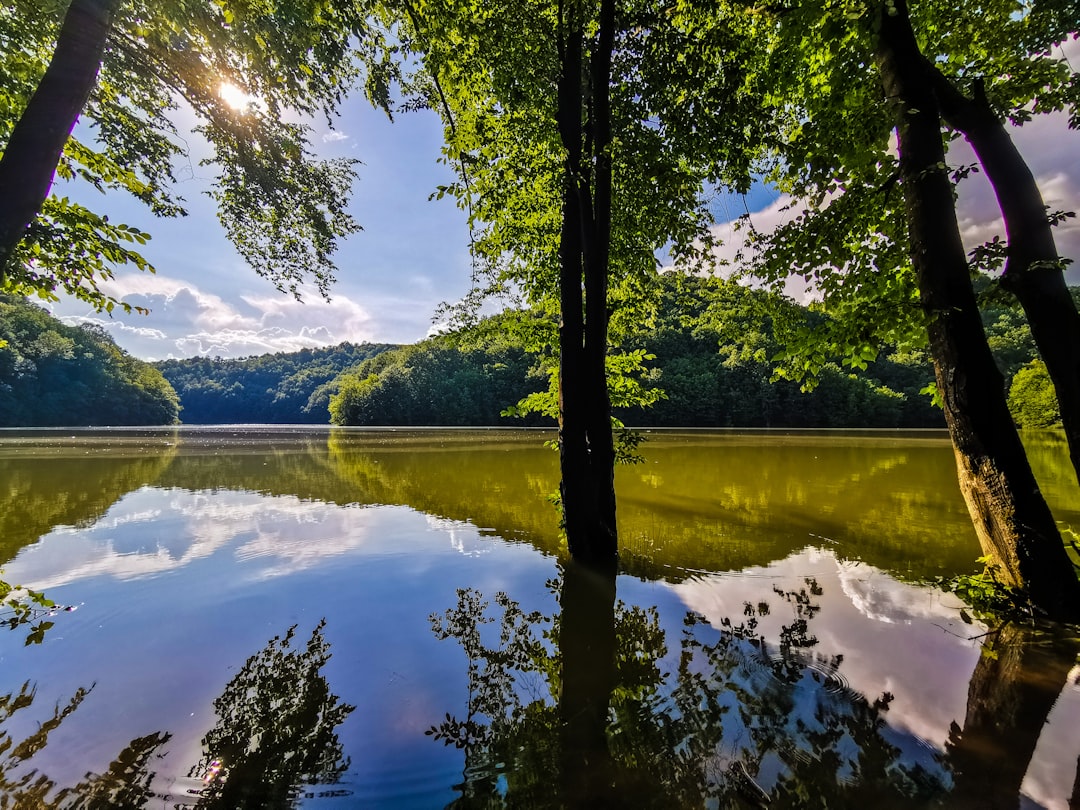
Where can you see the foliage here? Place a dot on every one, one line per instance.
(731, 719)
(829, 146)
(276, 730)
(53, 374)
(20, 606)
(273, 388)
(434, 383)
(988, 597)
(284, 210)
(1032, 399)
(492, 72)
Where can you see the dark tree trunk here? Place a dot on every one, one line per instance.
(587, 455)
(1010, 696)
(32, 152)
(1012, 520)
(1033, 269)
(587, 649)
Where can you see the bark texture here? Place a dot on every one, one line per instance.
(587, 454)
(32, 153)
(1011, 518)
(1034, 271)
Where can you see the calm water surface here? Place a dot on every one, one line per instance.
(335, 618)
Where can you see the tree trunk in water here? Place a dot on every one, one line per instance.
(1033, 268)
(586, 455)
(1012, 520)
(587, 649)
(32, 152)
(1010, 697)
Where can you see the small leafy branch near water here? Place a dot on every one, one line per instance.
(988, 596)
(19, 606)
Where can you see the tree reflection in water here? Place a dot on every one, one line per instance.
(575, 710)
(1016, 682)
(126, 783)
(276, 730)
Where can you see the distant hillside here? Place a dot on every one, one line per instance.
(708, 357)
(53, 374)
(273, 388)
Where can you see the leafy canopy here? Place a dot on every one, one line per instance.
(283, 209)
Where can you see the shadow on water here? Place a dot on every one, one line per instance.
(275, 737)
(577, 710)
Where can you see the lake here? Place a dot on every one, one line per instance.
(337, 618)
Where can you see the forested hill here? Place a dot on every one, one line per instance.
(54, 374)
(272, 388)
(707, 358)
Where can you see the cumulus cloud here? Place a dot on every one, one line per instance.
(334, 136)
(1049, 149)
(185, 321)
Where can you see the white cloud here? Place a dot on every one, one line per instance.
(186, 321)
(333, 136)
(885, 631)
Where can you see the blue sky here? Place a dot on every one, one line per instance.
(412, 254)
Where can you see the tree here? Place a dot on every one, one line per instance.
(37, 140)
(582, 142)
(54, 374)
(1012, 519)
(125, 66)
(1031, 397)
(1033, 270)
(887, 271)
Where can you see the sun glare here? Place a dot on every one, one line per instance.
(234, 96)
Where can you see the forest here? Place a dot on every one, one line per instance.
(712, 353)
(713, 358)
(274, 388)
(53, 374)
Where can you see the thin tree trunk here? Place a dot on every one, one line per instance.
(586, 452)
(33, 151)
(1011, 518)
(1033, 267)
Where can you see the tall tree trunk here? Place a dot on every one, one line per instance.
(587, 455)
(1033, 269)
(1012, 520)
(31, 154)
(1010, 696)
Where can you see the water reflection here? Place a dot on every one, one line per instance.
(841, 683)
(578, 710)
(125, 784)
(71, 488)
(276, 735)
(1018, 679)
(716, 501)
(276, 730)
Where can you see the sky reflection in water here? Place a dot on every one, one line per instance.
(191, 567)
